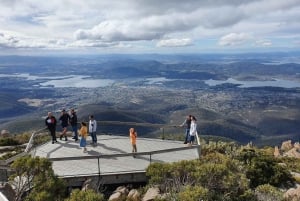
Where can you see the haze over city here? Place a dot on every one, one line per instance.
(31, 27)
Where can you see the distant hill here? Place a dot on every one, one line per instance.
(176, 87)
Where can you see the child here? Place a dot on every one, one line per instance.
(83, 133)
(133, 135)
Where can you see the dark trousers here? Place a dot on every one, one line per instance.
(187, 135)
(53, 134)
(75, 130)
(94, 137)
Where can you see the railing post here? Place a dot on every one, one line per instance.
(199, 145)
(99, 167)
(150, 158)
(29, 145)
(99, 173)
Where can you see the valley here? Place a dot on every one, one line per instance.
(153, 90)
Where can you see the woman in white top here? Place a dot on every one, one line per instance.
(193, 131)
(93, 129)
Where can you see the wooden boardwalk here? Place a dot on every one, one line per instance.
(111, 160)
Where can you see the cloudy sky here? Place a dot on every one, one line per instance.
(148, 26)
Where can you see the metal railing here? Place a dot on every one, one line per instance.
(145, 156)
(161, 126)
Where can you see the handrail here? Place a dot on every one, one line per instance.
(198, 139)
(100, 173)
(29, 145)
(136, 124)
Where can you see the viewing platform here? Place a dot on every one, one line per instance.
(111, 161)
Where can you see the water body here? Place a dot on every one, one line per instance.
(78, 82)
(248, 84)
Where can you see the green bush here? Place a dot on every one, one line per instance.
(267, 192)
(266, 170)
(193, 193)
(215, 172)
(9, 141)
(88, 195)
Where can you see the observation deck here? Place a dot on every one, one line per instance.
(111, 161)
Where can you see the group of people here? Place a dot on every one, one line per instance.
(67, 119)
(190, 123)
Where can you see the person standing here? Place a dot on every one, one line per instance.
(187, 124)
(133, 136)
(83, 133)
(93, 129)
(193, 131)
(73, 122)
(50, 122)
(64, 119)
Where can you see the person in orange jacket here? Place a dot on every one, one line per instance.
(133, 136)
(83, 132)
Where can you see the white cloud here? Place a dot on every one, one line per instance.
(234, 39)
(103, 23)
(92, 43)
(110, 31)
(263, 43)
(175, 42)
(10, 41)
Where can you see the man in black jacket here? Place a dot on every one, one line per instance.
(73, 122)
(50, 122)
(65, 120)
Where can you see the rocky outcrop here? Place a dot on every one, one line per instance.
(151, 194)
(293, 194)
(119, 193)
(286, 145)
(276, 152)
(89, 184)
(4, 133)
(292, 153)
(123, 193)
(133, 195)
(288, 149)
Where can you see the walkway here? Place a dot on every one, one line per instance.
(112, 156)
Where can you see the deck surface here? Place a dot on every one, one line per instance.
(112, 155)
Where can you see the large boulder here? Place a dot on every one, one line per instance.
(293, 194)
(293, 153)
(89, 184)
(286, 145)
(4, 133)
(133, 195)
(120, 192)
(151, 194)
(297, 145)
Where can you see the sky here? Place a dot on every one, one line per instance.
(148, 26)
